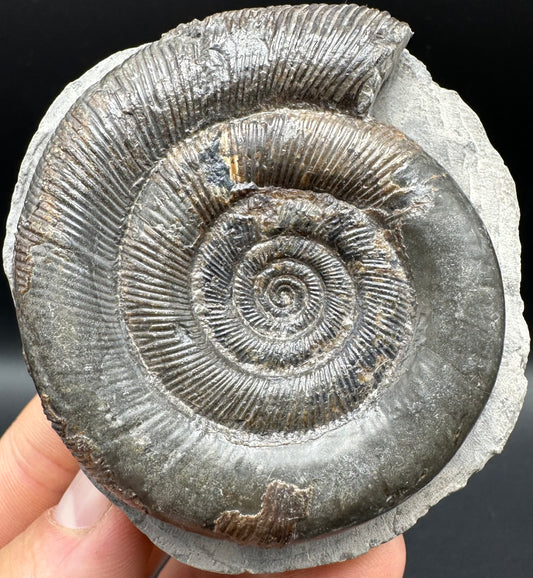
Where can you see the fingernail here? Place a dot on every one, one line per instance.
(81, 506)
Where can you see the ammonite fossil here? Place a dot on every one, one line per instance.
(260, 312)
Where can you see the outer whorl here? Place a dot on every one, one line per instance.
(253, 312)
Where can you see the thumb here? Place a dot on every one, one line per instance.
(83, 536)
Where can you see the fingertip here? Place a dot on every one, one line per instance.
(385, 561)
(81, 506)
(36, 469)
(113, 549)
(83, 536)
(109, 544)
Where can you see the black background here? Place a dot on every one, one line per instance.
(482, 49)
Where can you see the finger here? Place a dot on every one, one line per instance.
(84, 536)
(36, 470)
(385, 561)
(157, 561)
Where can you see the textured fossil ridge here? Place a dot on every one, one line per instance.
(258, 309)
(282, 506)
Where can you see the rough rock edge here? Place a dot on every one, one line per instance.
(448, 130)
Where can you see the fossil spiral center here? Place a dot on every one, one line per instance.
(276, 300)
(284, 292)
(288, 311)
(286, 296)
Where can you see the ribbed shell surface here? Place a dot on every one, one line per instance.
(239, 294)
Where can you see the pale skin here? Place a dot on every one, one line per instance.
(51, 526)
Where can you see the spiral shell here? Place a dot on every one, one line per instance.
(296, 304)
(253, 311)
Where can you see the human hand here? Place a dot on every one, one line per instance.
(55, 523)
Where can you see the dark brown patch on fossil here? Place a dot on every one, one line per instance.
(282, 505)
